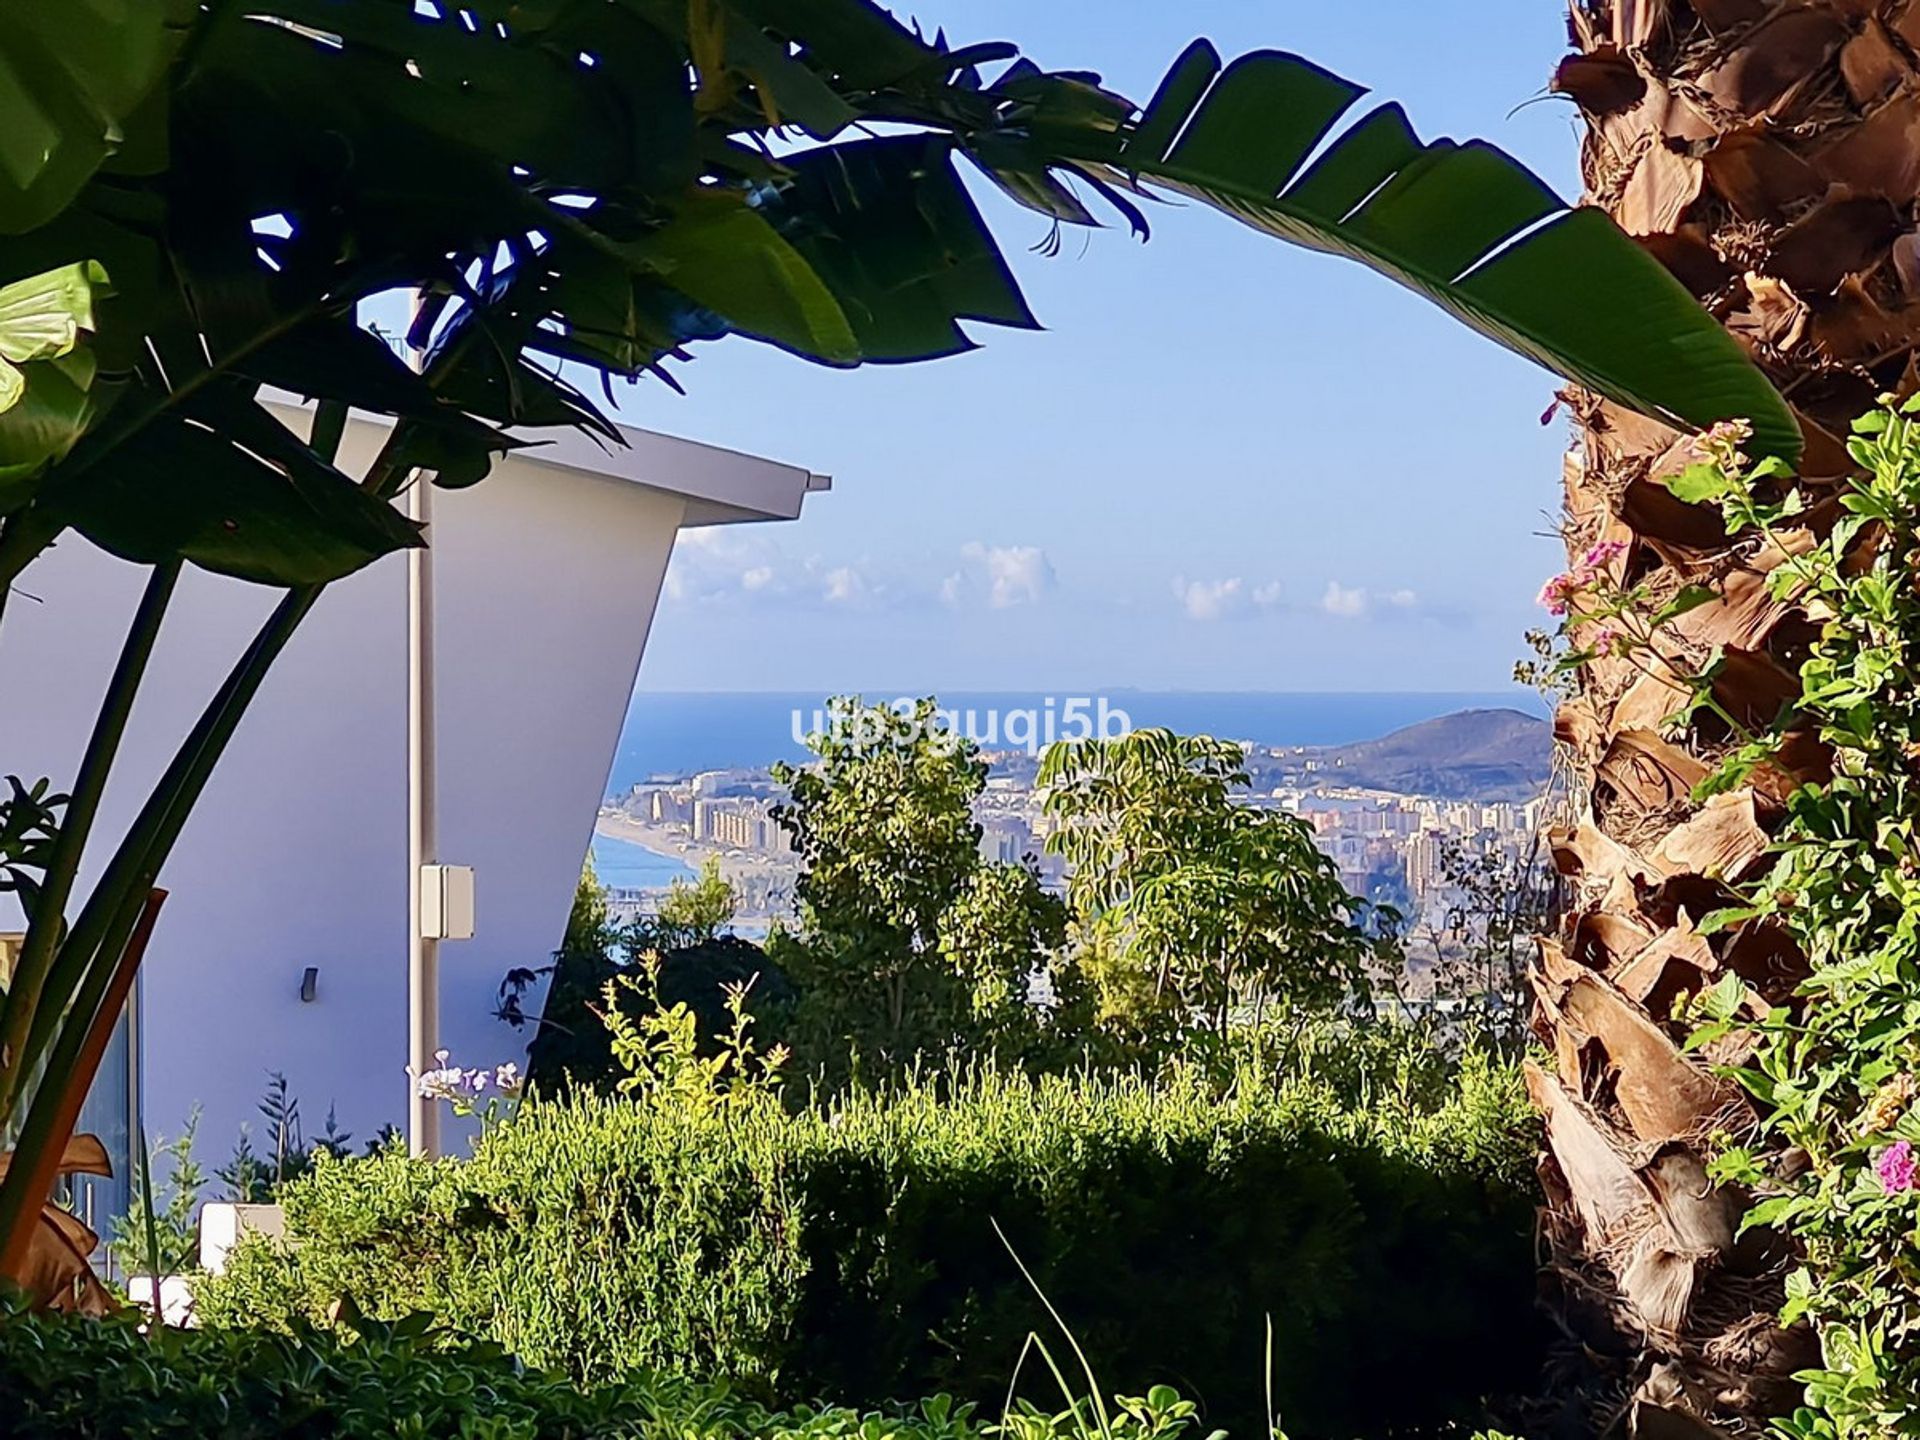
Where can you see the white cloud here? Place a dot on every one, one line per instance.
(1348, 602)
(1209, 599)
(1005, 575)
(719, 563)
(1352, 602)
(725, 565)
(844, 585)
(1219, 599)
(731, 566)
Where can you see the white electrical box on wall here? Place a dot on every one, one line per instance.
(446, 902)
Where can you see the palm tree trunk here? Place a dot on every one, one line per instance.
(1768, 151)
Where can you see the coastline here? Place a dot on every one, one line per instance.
(753, 876)
(657, 839)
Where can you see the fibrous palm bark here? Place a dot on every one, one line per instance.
(1768, 151)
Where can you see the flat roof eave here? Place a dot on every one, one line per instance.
(720, 486)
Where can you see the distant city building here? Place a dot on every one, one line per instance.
(1422, 854)
(1007, 838)
(668, 807)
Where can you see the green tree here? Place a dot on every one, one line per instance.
(691, 913)
(910, 946)
(215, 192)
(1003, 938)
(160, 1237)
(590, 924)
(1188, 904)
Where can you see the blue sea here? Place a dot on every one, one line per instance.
(627, 866)
(680, 732)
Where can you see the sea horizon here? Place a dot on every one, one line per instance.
(679, 732)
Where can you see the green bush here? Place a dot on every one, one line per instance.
(1377, 1210)
(68, 1379)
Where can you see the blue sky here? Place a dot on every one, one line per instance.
(1225, 463)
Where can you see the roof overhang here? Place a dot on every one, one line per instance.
(719, 486)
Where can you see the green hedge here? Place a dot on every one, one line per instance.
(849, 1252)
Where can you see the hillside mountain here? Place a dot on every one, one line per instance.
(1483, 755)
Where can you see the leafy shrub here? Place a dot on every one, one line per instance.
(688, 961)
(1834, 1071)
(162, 1235)
(78, 1380)
(1380, 1214)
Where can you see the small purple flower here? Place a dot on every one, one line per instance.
(506, 1079)
(1896, 1167)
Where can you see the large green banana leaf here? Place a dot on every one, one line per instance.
(1467, 226)
(70, 76)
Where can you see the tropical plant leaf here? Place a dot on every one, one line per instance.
(1467, 226)
(46, 383)
(333, 358)
(238, 502)
(71, 71)
(57, 405)
(889, 227)
(41, 318)
(856, 41)
(726, 257)
(56, 1271)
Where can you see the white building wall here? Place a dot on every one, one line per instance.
(546, 584)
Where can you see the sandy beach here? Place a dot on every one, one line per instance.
(758, 878)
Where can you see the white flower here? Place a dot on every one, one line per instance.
(506, 1079)
(446, 1083)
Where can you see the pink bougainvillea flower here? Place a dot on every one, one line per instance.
(1896, 1167)
(1557, 593)
(1607, 642)
(1603, 554)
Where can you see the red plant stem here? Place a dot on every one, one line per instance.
(13, 1246)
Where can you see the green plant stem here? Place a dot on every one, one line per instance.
(49, 910)
(113, 908)
(83, 966)
(1747, 737)
(110, 912)
(151, 1228)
